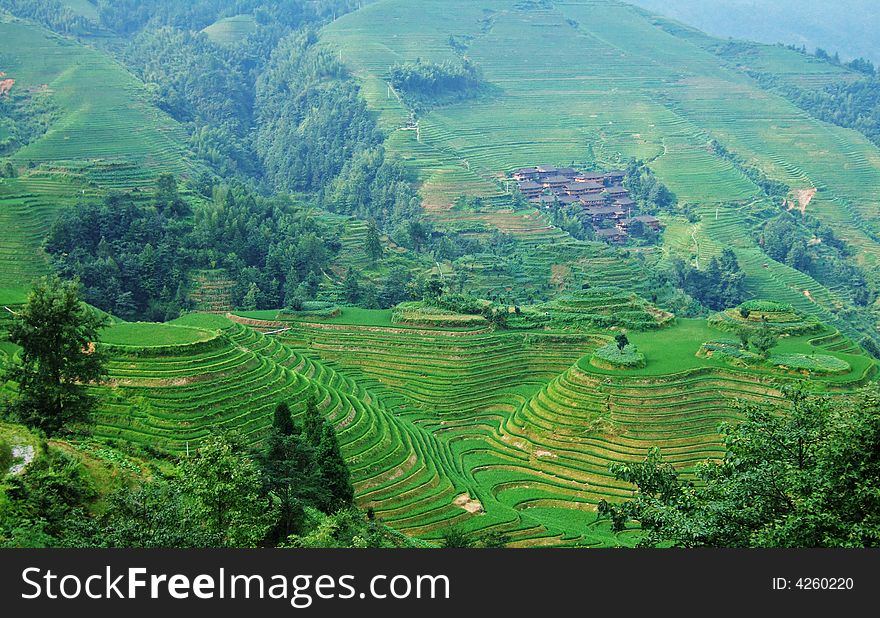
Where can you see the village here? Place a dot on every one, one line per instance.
(605, 203)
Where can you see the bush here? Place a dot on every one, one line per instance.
(765, 306)
(612, 357)
(814, 363)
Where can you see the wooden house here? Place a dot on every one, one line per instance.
(612, 235)
(555, 183)
(525, 173)
(648, 221)
(614, 177)
(530, 189)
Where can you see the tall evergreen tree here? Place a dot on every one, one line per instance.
(313, 422)
(373, 244)
(335, 475)
(282, 421)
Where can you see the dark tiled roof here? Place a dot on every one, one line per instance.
(525, 186)
(609, 233)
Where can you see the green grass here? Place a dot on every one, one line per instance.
(105, 126)
(231, 30)
(148, 335)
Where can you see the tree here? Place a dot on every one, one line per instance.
(226, 486)
(433, 290)
(744, 334)
(58, 336)
(764, 339)
(373, 244)
(282, 422)
(622, 341)
(6, 458)
(335, 476)
(290, 472)
(803, 475)
(352, 286)
(313, 422)
(456, 538)
(249, 303)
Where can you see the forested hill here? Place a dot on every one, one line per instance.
(846, 26)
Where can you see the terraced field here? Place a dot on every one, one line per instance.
(451, 427)
(28, 205)
(103, 126)
(599, 79)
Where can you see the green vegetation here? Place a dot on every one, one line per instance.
(807, 478)
(613, 355)
(57, 334)
(147, 335)
(392, 327)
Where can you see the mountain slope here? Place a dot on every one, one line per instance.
(598, 78)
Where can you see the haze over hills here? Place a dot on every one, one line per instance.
(498, 245)
(847, 26)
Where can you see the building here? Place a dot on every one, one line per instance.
(568, 200)
(576, 188)
(613, 235)
(649, 221)
(616, 192)
(530, 189)
(525, 173)
(614, 177)
(545, 171)
(596, 177)
(545, 201)
(600, 214)
(592, 200)
(555, 183)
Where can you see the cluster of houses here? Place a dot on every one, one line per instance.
(604, 202)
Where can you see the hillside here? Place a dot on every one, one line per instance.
(600, 80)
(85, 144)
(849, 29)
(454, 426)
(335, 205)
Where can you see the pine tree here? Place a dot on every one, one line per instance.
(335, 476)
(312, 422)
(282, 422)
(373, 245)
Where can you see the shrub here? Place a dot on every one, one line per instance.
(613, 357)
(814, 363)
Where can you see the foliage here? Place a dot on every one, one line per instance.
(802, 476)
(423, 83)
(130, 258)
(57, 334)
(6, 458)
(810, 246)
(764, 339)
(719, 286)
(51, 13)
(44, 503)
(311, 119)
(612, 354)
(226, 488)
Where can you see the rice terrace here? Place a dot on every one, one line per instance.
(503, 248)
